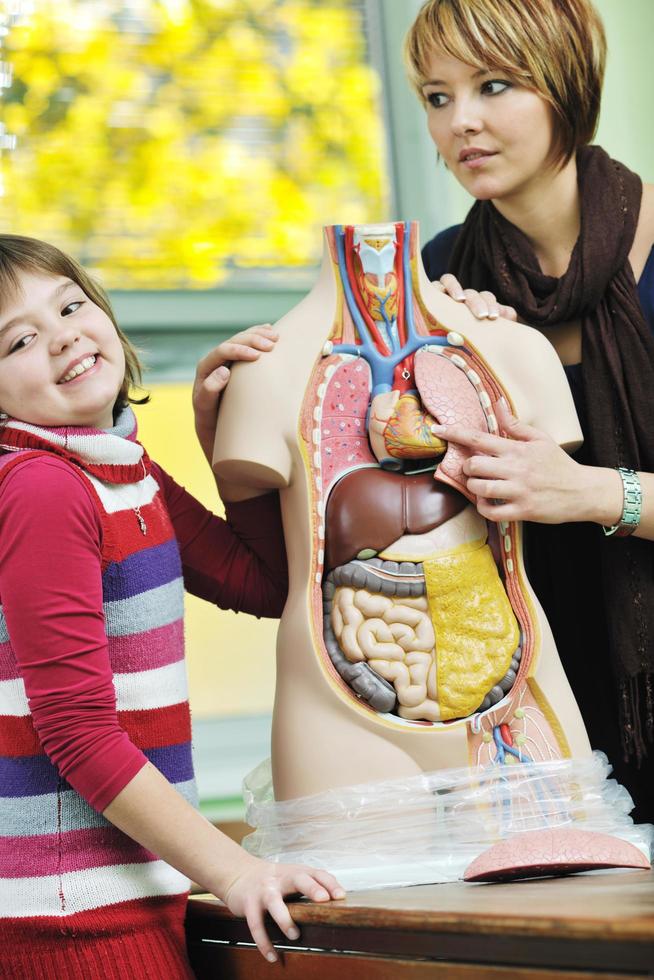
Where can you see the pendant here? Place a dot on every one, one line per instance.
(139, 517)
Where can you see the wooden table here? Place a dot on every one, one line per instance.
(582, 926)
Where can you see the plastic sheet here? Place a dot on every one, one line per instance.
(429, 827)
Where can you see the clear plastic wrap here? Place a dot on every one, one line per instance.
(429, 827)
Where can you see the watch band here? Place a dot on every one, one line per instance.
(631, 506)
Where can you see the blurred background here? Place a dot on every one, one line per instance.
(188, 152)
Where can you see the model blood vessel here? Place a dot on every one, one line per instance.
(411, 640)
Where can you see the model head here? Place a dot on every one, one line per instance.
(555, 47)
(28, 267)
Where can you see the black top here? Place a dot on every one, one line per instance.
(436, 259)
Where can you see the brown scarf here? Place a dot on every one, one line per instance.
(618, 376)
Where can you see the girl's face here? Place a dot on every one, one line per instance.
(61, 360)
(494, 135)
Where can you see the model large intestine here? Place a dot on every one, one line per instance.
(411, 640)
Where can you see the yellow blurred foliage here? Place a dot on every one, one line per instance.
(166, 143)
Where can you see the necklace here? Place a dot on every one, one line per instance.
(139, 517)
(126, 493)
(137, 510)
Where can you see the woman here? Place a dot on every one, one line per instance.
(562, 235)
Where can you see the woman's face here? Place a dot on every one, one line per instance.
(494, 135)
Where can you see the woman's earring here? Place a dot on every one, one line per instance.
(3, 416)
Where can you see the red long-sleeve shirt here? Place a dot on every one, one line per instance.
(51, 593)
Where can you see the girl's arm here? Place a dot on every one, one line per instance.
(239, 564)
(51, 591)
(236, 564)
(150, 811)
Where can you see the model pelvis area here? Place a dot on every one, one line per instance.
(420, 609)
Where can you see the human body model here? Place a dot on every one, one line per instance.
(411, 640)
(561, 235)
(97, 835)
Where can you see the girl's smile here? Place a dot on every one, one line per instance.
(80, 366)
(61, 360)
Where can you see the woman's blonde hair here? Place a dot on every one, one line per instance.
(21, 254)
(556, 47)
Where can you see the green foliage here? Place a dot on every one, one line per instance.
(165, 142)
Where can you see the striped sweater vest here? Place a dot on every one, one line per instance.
(61, 861)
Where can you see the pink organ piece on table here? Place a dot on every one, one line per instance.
(543, 853)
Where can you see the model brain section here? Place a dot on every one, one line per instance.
(416, 617)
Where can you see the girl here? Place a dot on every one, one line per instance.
(563, 236)
(99, 834)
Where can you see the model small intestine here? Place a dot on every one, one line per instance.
(419, 605)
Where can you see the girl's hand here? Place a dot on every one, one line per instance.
(524, 476)
(212, 375)
(483, 305)
(151, 811)
(260, 888)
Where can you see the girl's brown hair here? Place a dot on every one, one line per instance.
(556, 47)
(21, 254)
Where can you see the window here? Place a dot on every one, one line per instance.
(174, 143)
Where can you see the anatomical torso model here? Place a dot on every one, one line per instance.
(411, 639)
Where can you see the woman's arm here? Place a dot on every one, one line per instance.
(644, 237)
(528, 477)
(482, 304)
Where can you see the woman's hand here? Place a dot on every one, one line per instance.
(483, 305)
(212, 375)
(261, 887)
(526, 476)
